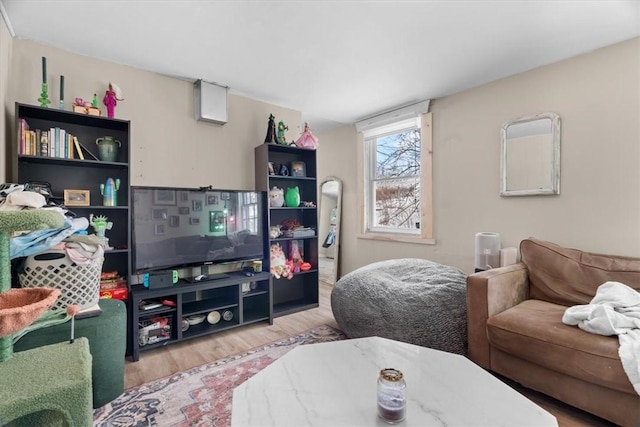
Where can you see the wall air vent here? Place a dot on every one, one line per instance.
(210, 102)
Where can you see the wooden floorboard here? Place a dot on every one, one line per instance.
(164, 361)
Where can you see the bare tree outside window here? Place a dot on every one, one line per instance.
(396, 181)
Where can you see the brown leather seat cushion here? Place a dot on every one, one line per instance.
(570, 276)
(533, 330)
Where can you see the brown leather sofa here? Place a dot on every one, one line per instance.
(515, 328)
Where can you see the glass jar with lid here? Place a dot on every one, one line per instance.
(392, 396)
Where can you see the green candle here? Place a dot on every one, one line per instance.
(44, 69)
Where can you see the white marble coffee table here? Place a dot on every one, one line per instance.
(334, 384)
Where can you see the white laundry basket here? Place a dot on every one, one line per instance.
(79, 284)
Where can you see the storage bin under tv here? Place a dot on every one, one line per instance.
(249, 305)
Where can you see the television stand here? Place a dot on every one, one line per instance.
(190, 305)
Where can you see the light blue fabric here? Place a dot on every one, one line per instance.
(41, 240)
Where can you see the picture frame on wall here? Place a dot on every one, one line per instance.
(212, 199)
(196, 206)
(217, 222)
(163, 196)
(159, 228)
(298, 169)
(77, 197)
(183, 210)
(225, 196)
(174, 221)
(194, 221)
(159, 214)
(184, 196)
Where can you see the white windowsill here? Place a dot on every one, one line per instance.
(389, 237)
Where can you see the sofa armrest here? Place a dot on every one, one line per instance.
(491, 292)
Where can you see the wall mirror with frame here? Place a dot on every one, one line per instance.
(330, 208)
(530, 161)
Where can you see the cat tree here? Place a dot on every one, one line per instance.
(50, 384)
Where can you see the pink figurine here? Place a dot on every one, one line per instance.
(111, 98)
(307, 139)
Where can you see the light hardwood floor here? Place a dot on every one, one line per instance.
(160, 362)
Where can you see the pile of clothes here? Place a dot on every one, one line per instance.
(82, 248)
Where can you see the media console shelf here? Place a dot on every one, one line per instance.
(238, 299)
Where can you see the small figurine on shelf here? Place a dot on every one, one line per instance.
(109, 191)
(94, 102)
(101, 224)
(111, 98)
(271, 130)
(307, 139)
(280, 138)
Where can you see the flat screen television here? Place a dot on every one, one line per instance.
(181, 227)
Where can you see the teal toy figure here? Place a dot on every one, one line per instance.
(109, 191)
(292, 197)
(280, 138)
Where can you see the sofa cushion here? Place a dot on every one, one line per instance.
(533, 331)
(570, 276)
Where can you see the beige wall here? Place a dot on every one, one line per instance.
(169, 147)
(6, 43)
(597, 97)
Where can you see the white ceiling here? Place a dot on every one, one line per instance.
(336, 61)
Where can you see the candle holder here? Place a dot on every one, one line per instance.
(44, 96)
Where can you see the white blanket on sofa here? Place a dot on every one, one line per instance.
(615, 310)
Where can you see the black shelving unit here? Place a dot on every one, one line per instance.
(74, 173)
(302, 291)
(250, 305)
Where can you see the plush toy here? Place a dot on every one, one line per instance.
(276, 197)
(280, 267)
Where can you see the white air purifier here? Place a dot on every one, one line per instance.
(487, 251)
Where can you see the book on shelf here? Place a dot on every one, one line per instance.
(78, 149)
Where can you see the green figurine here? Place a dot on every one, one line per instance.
(280, 138)
(94, 103)
(101, 224)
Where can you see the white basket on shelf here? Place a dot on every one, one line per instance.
(79, 284)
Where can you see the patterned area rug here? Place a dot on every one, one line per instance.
(200, 396)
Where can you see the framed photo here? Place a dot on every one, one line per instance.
(225, 196)
(194, 221)
(159, 214)
(164, 197)
(212, 199)
(216, 222)
(196, 205)
(174, 221)
(159, 228)
(184, 196)
(183, 210)
(77, 197)
(298, 169)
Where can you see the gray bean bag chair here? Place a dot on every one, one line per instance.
(411, 300)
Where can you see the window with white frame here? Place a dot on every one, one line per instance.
(397, 177)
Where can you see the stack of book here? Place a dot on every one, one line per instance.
(53, 142)
(112, 285)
